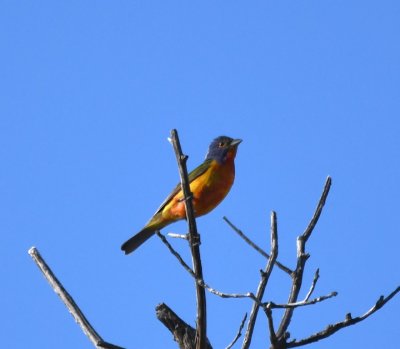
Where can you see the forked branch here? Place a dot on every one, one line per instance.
(302, 256)
(263, 282)
(348, 321)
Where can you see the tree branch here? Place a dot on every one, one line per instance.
(273, 305)
(231, 344)
(73, 308)
(194, 241)
(317, 213)
(263, 282)
(199, 281)
(302, 257)
(183, 333)
(331, 329)
(255, 246)
(314, 282)
(272, 335)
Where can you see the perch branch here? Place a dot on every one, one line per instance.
(263, 282)
(255, 246)
(194, 241)
(348, 321)
(73, 308)
(302, 257)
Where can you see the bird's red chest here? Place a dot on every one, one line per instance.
(209, 189)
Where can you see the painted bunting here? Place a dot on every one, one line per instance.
(209, 183)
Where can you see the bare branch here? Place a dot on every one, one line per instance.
(231, 344)
(272, 334)
(228, 295)
(263, 282)
(199, 281)
(194, 239)
(331, 329)
(314, 282)
(73, 308)
(317, 213)
(176, 254)
(178, 236)
(183, 333)
(255, 246)
(273, 305)
(302, 257)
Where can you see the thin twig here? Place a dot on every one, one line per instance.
(199, 281)
(194, 239)
(255, 246)
(73, 308)
(176, 254)
(314, 282)
(273, 305)
(349, 320)
(317, 213)
(263, 282)
(231, 344)
(302, 257)
(178, 236)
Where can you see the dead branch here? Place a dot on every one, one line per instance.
(199, 281)
(183, 333)
(73, 308)
(231, 344)
(348, 321)
(178, 236)
(312, 287)
(272, 305)
(194, 241)
(263, 282)
(255, 246)
(302, 256)
(272, 334)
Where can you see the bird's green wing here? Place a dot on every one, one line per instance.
(198, 171)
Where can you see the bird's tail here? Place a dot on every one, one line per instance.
(134, 242)
(157, 222)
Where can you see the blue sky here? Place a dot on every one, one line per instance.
(90, 91)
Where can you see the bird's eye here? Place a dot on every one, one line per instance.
(221, 144)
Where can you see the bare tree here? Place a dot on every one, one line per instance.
(196, 338)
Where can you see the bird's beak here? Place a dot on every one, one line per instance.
(235, 142)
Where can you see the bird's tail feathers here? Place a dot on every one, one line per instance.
(134, 242)
(156, 223)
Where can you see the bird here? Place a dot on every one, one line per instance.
(209, 183)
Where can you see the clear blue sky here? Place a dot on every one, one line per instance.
(89, 93)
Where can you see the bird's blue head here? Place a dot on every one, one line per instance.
(222, 148)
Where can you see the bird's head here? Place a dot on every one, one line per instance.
(222, 149)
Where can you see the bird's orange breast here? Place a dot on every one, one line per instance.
(209, 189)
